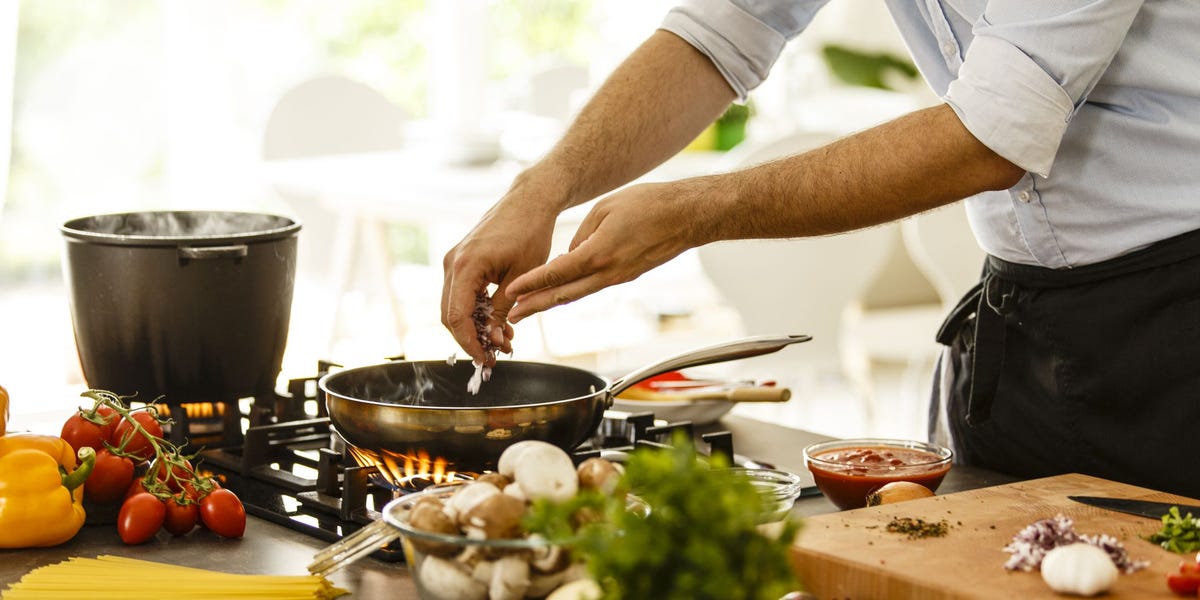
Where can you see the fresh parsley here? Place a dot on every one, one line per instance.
(699, 540)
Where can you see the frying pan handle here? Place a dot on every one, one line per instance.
(743, 348)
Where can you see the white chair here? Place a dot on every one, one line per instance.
(943, 247)
(325, 116)
(947, 258)
(798, 285)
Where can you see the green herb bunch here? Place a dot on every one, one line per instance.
(699, 539)
(1178, 534)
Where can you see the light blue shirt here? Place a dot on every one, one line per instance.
(1098, 100)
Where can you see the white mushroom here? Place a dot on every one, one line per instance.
(497, 516)
(495, 479)
(482, 571)
(541, 584)
(471, 556)
(450, 580)
(515, 491)
(507, 463)
(549, 558)
(580, 589)
(510, 578)
(428, 515)
(467, 497)
(598, 474)
(546, 471)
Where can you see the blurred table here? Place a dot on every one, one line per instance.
(355, 196)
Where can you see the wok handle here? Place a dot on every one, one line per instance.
(743, 348)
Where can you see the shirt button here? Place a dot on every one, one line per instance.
(948, 49)
(1024, 196)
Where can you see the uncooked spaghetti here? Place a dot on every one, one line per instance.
(115, 577)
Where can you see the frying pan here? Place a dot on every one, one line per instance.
(404, 407)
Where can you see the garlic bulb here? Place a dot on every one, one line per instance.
(1080, 569)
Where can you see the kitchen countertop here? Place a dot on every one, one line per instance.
(267, 548)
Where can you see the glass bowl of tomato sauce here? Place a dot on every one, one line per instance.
(846, 471)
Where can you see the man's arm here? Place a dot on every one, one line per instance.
(653, 105)
(657, 102)
(909, 165)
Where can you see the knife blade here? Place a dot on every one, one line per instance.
(1141, 508)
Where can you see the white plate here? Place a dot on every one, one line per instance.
(699, 412)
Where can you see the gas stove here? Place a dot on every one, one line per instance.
(283, 458)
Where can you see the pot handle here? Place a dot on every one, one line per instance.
(743, 348)
(207, 252)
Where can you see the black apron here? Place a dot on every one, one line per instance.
(1092, 370)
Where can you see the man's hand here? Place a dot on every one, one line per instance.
(625, 235)
(513, 237)
(657, 101)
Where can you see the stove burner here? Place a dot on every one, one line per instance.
(290, 467)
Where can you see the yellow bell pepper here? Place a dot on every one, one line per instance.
(41, 490)
(3, 409)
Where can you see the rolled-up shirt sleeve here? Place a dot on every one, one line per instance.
(1028, 69)
(742, 38)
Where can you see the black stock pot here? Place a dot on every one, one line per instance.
(190, 305)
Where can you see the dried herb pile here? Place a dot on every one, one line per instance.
(918, 528)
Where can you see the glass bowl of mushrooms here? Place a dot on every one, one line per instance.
(468, 563)
(469, 540)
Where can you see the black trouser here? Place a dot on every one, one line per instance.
(1091, 370)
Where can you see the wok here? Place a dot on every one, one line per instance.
(404, 407)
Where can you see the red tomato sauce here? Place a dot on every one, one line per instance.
(847, 475)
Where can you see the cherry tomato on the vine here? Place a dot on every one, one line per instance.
(141, 517)
(110, 479)
(222, 512)
(138, 486)
(127, 435)
(174, 475)
(80, 432)
(181, 518)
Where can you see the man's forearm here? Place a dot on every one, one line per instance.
(915, 163)
(653, 105)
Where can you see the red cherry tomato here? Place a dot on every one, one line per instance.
(174, 475)
(137, 487)
(110, 478)
(181, 518)
(222, 512)
(80, 432)
(134, 442)
(141, 516)
(1185, 581)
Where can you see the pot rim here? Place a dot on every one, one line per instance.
(74, 229)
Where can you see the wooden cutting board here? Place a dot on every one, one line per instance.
(851, 555)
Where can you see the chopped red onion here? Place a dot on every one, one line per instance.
(1031, 544)
(482, 316)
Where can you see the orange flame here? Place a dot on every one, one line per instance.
(398, 468)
